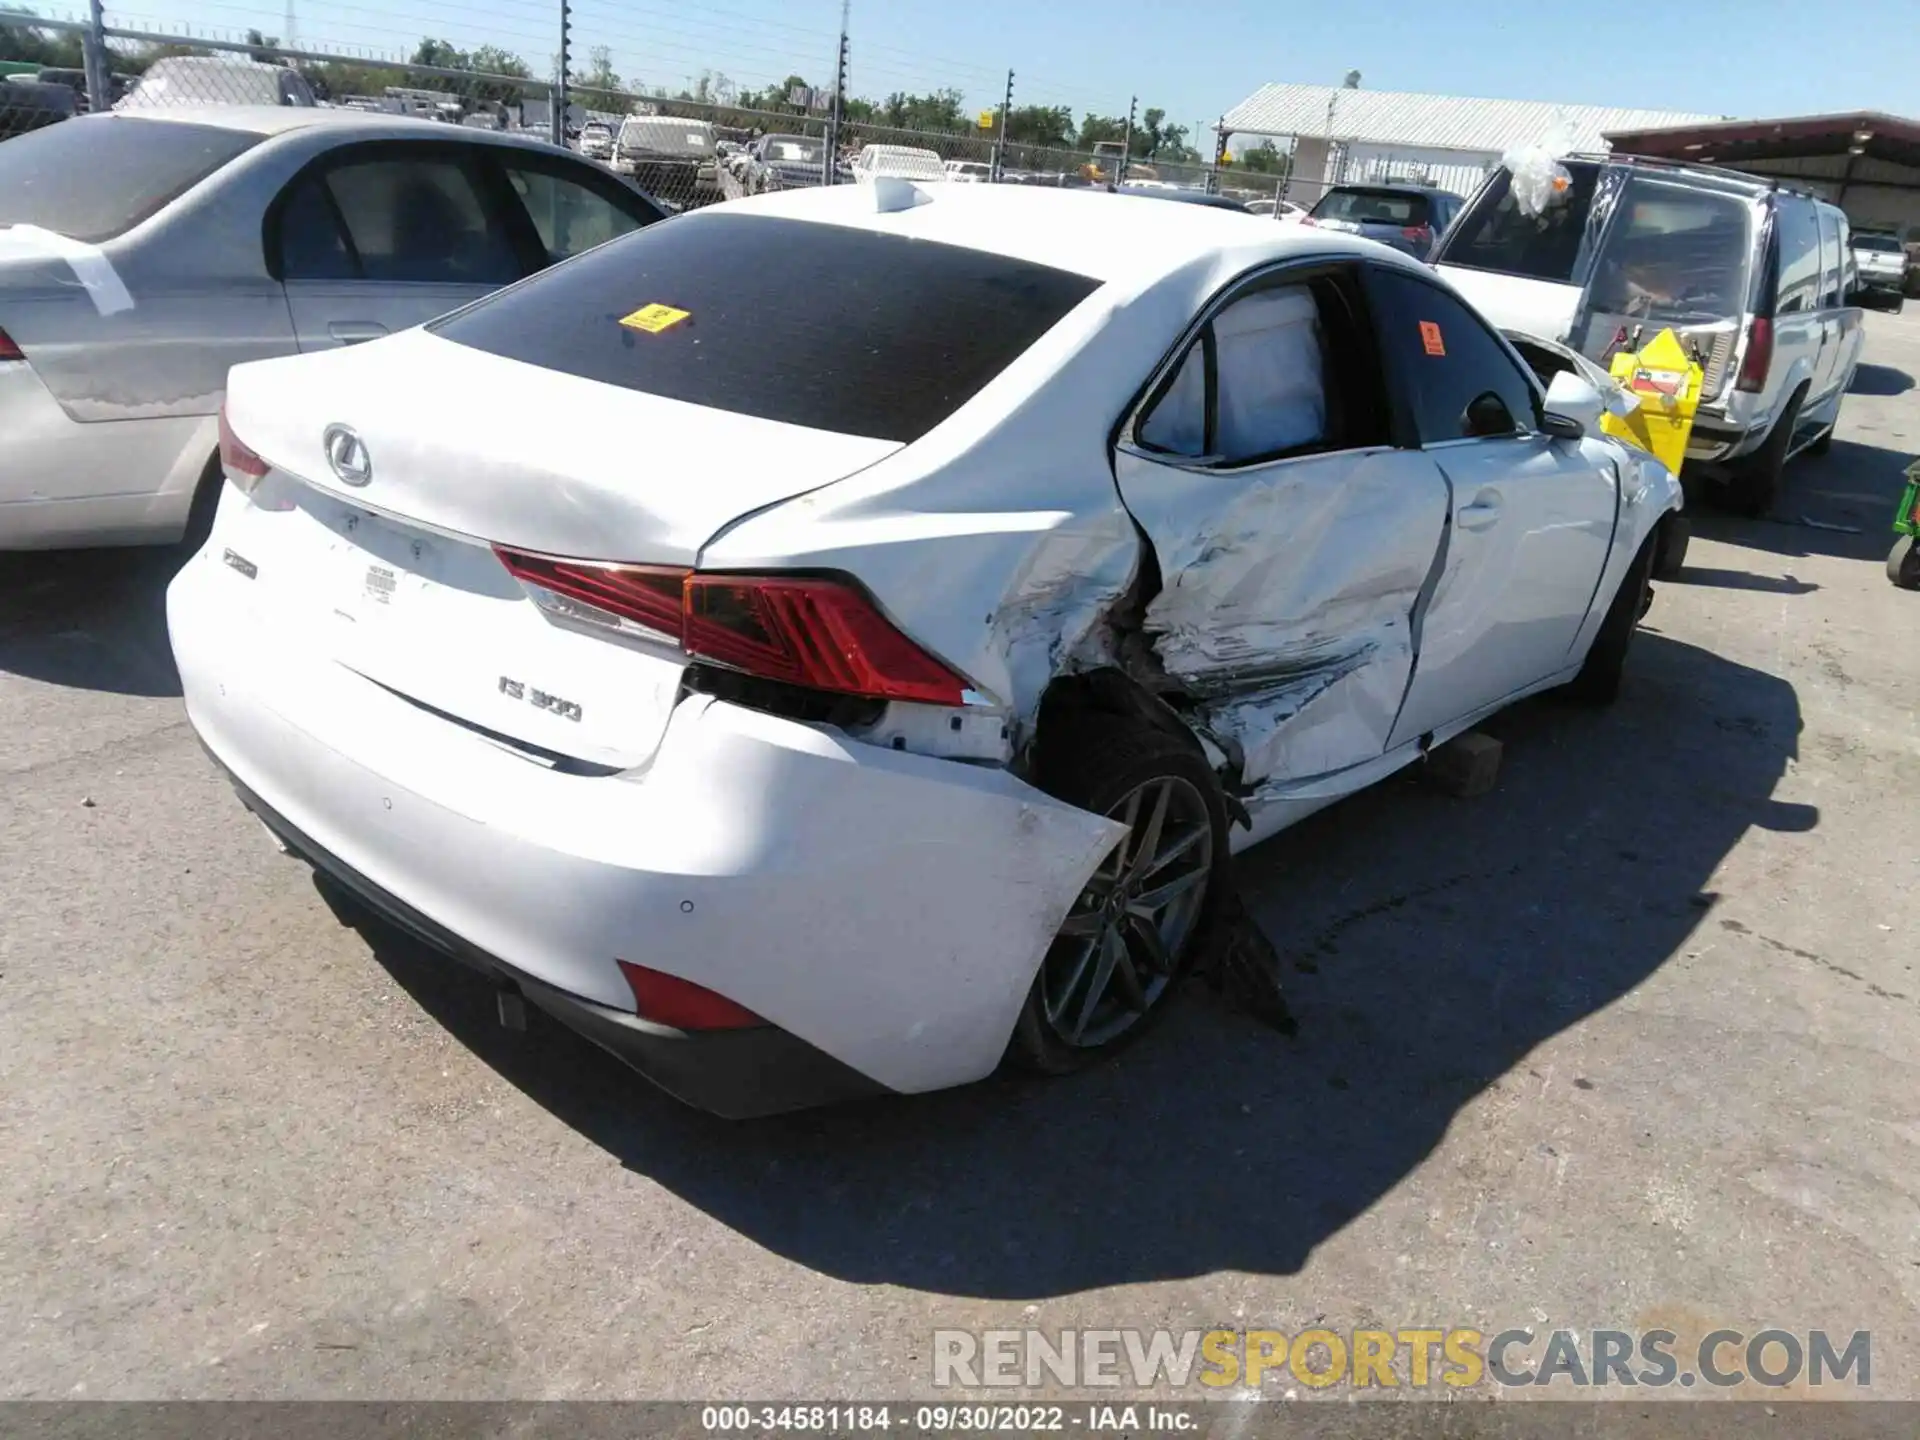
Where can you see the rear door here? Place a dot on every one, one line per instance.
(1530, 518)
(377, 238)
(1800, 329)
(1292, 536)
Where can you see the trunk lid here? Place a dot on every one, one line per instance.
(396, 579)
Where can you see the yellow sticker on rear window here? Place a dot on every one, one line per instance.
(654, 318)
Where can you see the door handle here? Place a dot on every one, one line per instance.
(1481, 514)
(352, 332)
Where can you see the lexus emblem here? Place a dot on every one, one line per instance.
(347, 454)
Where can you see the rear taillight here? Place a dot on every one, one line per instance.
(1417, 232)
(668, 1000)
(240, 463)
(1758, 360)
(9, 350)
(812, 631)
(1309, 220)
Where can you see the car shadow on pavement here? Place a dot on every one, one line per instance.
(1838, 504)
(1430, 945)
(1884, 380)
(89, 619)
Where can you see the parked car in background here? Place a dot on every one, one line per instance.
(34, 104)
(176, 242)
(784, 162)
(900, 712)
(675, 160)
(969, 172)
(1185, 197)
(900, 162)
(1750, 276)
(1407, 217)
(1880, 265)
(1283, 210)
(597, 140)
(215, 80)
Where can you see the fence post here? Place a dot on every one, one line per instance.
(830, 164)
(999, 165)
(1126, 146)
(559, 92)
(94, 46)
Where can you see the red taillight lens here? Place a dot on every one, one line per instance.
(1309, 220)
(1758, 360)
(235, 456)
(668, 1000)
(811, 631)
(1417, 232)
(9, 350)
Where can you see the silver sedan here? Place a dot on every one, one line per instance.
(143, 254)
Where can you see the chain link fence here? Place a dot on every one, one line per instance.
(687, 153)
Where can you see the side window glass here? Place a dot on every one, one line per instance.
(1458, 378)
(1177, 423)
(1799, 231)
(421, 220)
(1281, 371)
(569, 216)
(1271, 375)
(311, 245)
(1831, 265)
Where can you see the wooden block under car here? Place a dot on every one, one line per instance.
(1466, 766)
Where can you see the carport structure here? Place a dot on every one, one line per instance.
(1866, 162)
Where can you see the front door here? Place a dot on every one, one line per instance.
(1531, 517)
(1293, 540)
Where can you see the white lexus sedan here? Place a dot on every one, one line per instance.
(833, 642)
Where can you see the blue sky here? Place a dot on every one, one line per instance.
(1739, 57)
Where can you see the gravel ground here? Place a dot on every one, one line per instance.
(1631, 1041)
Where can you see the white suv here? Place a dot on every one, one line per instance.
(1752, 277)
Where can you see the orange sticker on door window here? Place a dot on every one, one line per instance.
(654, 318)
(1430, 337)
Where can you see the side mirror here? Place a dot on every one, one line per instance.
(1573, 407)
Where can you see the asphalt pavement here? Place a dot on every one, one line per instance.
(1632, 1041)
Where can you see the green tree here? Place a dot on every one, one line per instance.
(1047, 125)
(265, 49)
(19, 40)
(1263, 159)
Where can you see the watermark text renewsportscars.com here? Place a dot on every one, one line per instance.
(1413, 1358)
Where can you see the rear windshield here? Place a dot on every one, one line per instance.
(826, 326)
(789, 147)
(1885, 244)
(1496, 234)
(93, 179)
(1676, 251)
(1377, 207)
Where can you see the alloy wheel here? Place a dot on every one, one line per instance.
(1117, 951)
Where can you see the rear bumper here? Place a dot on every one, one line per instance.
(885, 909)
(64, 482)
(736, 1074)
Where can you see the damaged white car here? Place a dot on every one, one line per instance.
(834, 642)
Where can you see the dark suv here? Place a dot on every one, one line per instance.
(1407, 217)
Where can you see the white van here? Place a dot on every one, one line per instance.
(1753, 278)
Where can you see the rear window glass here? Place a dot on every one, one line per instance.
(1677, 251)
(1378, 207)
(1496, 234)
(1885, 244)
(93, 179)
(826, 326)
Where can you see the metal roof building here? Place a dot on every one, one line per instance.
(1339, 134)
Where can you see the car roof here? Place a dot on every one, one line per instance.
(1189, 197)
(1401, 187)
(1088, 232)
(270, 120)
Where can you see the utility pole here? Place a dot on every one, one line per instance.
(1000, 141)
(94, 57)
(1126, 144)
(1219, 155)
(560, 76)
(830, 162)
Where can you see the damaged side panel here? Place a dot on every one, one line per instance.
(1287, 600)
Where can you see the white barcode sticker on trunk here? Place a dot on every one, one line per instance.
(381, 583)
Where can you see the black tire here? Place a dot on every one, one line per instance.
(1903, 563)
(1670, 546)
(1756, 482)
(1108, 761)
(1598, 682)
